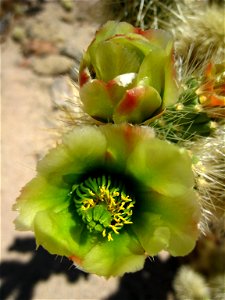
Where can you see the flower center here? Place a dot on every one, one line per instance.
(103, 204)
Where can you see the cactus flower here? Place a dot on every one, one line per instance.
(107, 197)
(127, 74)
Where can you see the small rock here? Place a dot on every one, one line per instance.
(67, 4)
(52, 65)
(68, 17)
(5, 25)
(19, 34)
(45, 31)
(70, 49)
(39, 47)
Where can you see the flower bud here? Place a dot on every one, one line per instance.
(127, 74)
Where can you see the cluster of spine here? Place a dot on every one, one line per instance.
(209, 169)
(203, 276)
(198, 112)
(187, 119)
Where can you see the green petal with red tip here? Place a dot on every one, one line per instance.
(160, 64)
(121, 142)
(62, 232)
(112, 28)
(97, 101)
(137, 105)
(158, 37)
(117, 87)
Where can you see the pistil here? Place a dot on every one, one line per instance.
(103, 204)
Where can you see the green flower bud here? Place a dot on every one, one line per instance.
(127, 75)
(107, 197)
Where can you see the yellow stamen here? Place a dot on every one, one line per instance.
(110, 237)
(103, 205)
(104, 233)
(114, 228)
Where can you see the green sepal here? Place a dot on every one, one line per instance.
(96, 100)
(137, 105)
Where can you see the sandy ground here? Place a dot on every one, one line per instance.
(27, 122)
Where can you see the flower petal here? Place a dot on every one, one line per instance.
(137, 105)
(162, 167)
(117, 86)
(97, 101)
(37, 195)
(81, 150)
(168, 223)
(112, 28)
(108, 30)
(134, 41)
(171, 91)
(153, 68)
(123, 254)
(153, 235)
(159, 37)
(62, 232)
(121, 141)
(111, 59)
(53, 231)
(164, 42)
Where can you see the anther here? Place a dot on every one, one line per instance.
(104, 205)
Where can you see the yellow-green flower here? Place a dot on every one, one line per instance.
(127, 74)
(107, 197)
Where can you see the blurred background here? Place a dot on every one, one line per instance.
(41, 45)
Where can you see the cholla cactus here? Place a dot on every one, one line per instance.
(204, 277)
(190, 285)
(216, 286)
